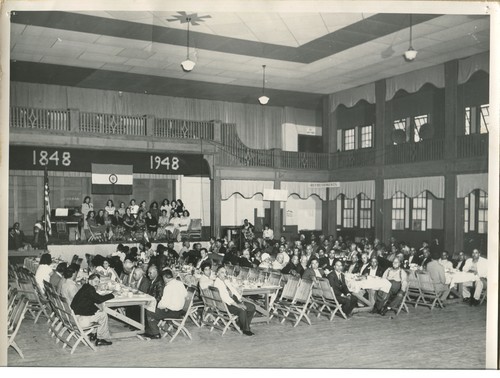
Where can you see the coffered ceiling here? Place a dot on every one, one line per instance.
(307, 55)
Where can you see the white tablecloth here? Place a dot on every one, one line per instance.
(453, 278)
(374, 283)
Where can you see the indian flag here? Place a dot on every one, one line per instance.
(112, 179)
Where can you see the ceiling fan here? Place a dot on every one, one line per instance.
(192, 18)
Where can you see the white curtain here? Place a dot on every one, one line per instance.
(411, 82)
(352, 96)
(352, 188)
(303, 189)
(467, 66)
(467, 183)
(246, 188)
(412, 187)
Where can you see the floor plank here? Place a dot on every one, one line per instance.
(453, 337)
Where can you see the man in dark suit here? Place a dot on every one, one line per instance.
(293, 267)
(157, 284)
(344, 297)
(328, 263)
(365, 264)
(314, 271)
(375, 269)
(244, 260)
(426, 258)
(84, 305)
(459, 264)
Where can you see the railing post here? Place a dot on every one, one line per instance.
(277, 155)
(217, 131)
(150, 125)
(74, 120)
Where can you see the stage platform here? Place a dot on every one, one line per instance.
(67, 251)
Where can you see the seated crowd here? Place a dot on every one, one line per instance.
(136, 222)
(151, 271)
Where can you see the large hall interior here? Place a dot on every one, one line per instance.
(266, 142)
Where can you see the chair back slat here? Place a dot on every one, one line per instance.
(304, 291)
(253, 274)
(189, 299)
(426, 284)
(17, 316)
(274, 279)
(217, 300)
(290, 288)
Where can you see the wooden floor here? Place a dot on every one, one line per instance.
(453, 337)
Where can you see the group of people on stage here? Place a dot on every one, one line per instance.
(136, 221)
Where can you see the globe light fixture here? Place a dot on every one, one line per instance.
(263, 99)
(411, 53)
(188, 64)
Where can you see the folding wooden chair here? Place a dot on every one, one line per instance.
(428, 294)
(287, 294)
(253, 274)
(274, 278)
(75, 330)
(209, 308)
(244, 271)
(403, 305)
(484, 292)
(297, 310)
(38, 303)
(229, 269)
(324, 300)
(222, 313)
(14, 323)
(180, 323)
(413, 291)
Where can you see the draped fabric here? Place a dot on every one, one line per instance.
(258, 126)
(412, 187)
(246, 188)
(467, 66)
(352, 96)
(411, 82)
(303, 189)
(468, 183)
(352, 188)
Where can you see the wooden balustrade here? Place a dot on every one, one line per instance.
(427, 150)
(179, 128)
(474, 145)
(114, 124)
(232, 151)
(33, 118)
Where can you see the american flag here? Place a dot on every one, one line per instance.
(48, 225)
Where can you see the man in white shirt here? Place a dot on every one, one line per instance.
(205, 279)
(479, 266)
(233, 299)
(444, 262)
(170, 305)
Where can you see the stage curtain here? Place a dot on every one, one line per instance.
(246, 188)
(258, 126)
(411, 82)
(478, 62)
(467, 183)
(352, 188)
(352, 96)
(412, 187)
(303, 189)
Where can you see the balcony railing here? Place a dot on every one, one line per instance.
(232, 151)
(114, 124)
(179, 128)
(474, 145)
(33, 118)
(426, 150)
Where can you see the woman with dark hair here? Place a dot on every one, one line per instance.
(173, 226)
(151, 225)
(184, 223)
(143, 206)
(128, 222)
(165, 205)
(155, 211)
(140, 222)
(122, 209)
(180, 206)
(86, 207)
(99, 218)
(44, 271)
(105, 270)
(110, 207)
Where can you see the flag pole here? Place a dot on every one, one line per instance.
(45, 180)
